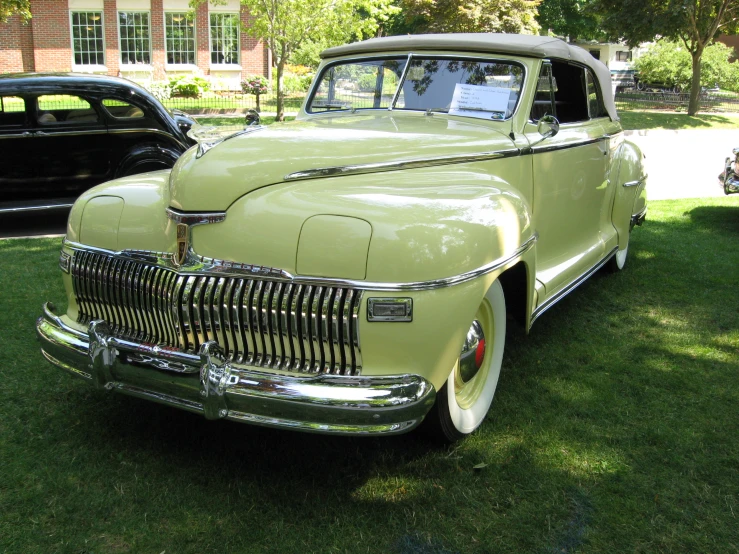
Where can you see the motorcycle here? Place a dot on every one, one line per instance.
(729, 179)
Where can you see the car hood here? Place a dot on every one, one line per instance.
(266, 156)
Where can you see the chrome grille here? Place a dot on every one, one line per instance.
(259, 322)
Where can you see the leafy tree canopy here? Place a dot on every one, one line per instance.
(695, 23)
(286, 25)
(470, 16)
(571, 18)
(8, 8)
(669, 62)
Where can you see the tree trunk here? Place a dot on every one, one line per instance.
(280, 91)
(695, 86)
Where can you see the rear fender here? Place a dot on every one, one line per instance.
(630, 197)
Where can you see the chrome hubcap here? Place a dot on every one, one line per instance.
(473, 353)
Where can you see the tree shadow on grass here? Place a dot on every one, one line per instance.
(720, 218)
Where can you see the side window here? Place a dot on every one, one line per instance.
(595, 103)
(122, 110)
(570, 95)
(64, 108)
(12, 111)
(543, 100)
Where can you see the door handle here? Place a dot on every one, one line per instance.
(41, 134)
(26, 134)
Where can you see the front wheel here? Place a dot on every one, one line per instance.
(464, 400)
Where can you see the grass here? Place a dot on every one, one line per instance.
(614, 429)
(670, 120)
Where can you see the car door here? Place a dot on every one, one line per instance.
(571, 187)
(70, 143)
(17, 169)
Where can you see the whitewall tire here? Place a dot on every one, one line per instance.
(464, 400)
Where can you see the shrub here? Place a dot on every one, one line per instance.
(367, 82)
(669, 63)
(292, 83)
(256, 85)
(188, 85)
(160, 89)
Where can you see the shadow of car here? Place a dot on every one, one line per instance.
(64, 133)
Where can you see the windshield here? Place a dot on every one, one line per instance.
(464, 87)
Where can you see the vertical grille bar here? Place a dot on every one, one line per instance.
(265, 323)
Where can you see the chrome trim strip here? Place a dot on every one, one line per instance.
(401, 81)
(36, 208)
(195, 218)
(637, 182)
(147, 130)
(359, 169)
(209, 266)
(551, 301)
(206, 383)
(574, 144)
(50, 132)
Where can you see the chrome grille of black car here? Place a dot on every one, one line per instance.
(260, 322)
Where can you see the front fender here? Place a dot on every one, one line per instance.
(631, 195)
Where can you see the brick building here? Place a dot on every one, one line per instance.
(140, 39)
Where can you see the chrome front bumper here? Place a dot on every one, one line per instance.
(205, 383)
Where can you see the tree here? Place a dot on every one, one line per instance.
(285, 25)
(9, 8)
(471, 16)
(695, 23)
(669, 63)
(571, 18)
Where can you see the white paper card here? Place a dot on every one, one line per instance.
(480, 101)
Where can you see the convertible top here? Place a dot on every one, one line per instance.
(530, 46)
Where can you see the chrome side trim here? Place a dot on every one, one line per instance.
(549, 302)
(637, 182)
(192, 218)
(37, 208)
(155, 131)
(209, 266)
(575, 144)
(380, 167)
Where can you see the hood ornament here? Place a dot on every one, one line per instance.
(185, 220)
(208, 137)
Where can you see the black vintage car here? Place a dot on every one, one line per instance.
(61, 134)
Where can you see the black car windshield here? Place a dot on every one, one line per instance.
(464, 87)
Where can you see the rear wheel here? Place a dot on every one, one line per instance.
(146, 158)
(464, 400)
(618, 260)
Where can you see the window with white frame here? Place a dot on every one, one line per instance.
(224, 38)
(180, 37)
(87, 38)
(133, 28)
(623, 56)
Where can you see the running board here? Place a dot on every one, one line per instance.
(549, 302)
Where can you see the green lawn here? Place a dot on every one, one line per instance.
(671, 120)
(614, 429)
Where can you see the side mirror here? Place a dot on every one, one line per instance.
(252, 118)
(548, 127)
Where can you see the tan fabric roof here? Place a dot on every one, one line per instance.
(530, 46)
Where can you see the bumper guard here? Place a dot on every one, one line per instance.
(206, 383)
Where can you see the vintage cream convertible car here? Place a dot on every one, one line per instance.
(352, 272)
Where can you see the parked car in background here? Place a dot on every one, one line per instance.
(353, 271)
(61, 134)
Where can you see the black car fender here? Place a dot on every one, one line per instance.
(146, 157)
